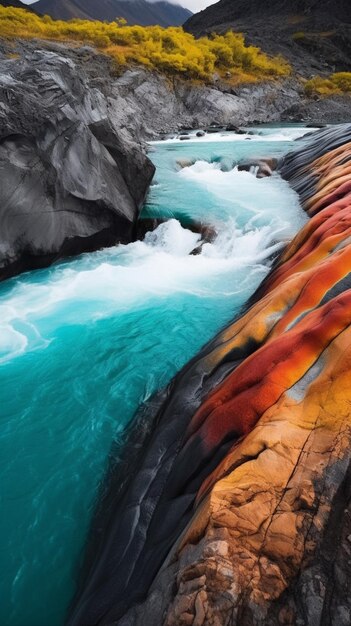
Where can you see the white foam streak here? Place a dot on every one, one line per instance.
(12, 343)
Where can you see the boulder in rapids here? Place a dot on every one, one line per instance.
(262, 167)
(182, 163)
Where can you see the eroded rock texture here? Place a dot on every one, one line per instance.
(236, 509)
(70, 180)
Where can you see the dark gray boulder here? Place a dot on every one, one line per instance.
(71, 180)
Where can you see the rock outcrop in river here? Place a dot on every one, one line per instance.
(235, 509)
(71, 180)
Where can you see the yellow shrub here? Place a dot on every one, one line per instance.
(335, 84)
(169, 50)
(101, 41)
(342, 80)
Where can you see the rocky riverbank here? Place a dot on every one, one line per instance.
(235, 510)
(146, 104)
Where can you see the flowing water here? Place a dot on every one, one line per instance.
(84, 342)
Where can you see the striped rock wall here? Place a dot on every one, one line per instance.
(236, 508)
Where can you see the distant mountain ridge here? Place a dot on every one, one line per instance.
(14, 3)
(311, 34)
(134, 11)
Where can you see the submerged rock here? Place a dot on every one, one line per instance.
(182, 163)
(71, 182)
(232, 128)
(261, 167)
(208, 235)
(147, 225)
(227, 164)
(233, 506)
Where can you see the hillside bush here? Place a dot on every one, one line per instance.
(335, 84)
(170, 50)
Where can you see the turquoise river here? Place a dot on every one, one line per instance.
(85, 341)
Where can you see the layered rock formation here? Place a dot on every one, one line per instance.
(156, 104)
(235, 508)
(71, 180)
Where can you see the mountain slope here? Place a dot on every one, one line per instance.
(311, 34)
(14, 3)
(134, 11)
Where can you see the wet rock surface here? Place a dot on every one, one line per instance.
(71, 181)
(231, 503)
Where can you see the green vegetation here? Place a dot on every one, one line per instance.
(170, 50)
(335, 84)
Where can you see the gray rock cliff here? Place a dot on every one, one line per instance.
(71, 181)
